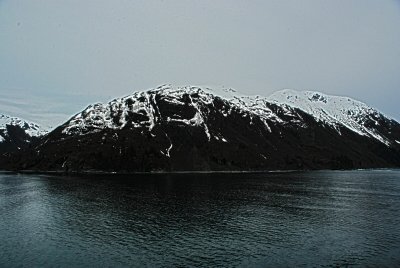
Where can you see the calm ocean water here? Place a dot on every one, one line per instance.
(311, 219)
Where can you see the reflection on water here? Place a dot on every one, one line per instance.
(330, 218)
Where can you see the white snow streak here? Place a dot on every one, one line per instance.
(170, 147)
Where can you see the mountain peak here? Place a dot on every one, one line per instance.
(30, 128)
(296, 96)
(17, 134)
(337, 111)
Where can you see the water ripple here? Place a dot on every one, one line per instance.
(305, 219)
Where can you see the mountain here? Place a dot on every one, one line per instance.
(16, 133)
(341, 111)
(201, 129)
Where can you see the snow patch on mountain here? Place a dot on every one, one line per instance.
(335, 111)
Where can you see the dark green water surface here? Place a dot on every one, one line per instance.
(310, 219)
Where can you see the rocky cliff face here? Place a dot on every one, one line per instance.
(202, 129)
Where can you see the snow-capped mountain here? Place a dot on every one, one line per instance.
(16, 133)
(142, 109)
(332, 110)
(339, 111)
(30, 128)
(201, 128)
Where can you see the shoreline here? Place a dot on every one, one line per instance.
(113, 173)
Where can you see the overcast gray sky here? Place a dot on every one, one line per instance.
(58, 56)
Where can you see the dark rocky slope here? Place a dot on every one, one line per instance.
(198, 129)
